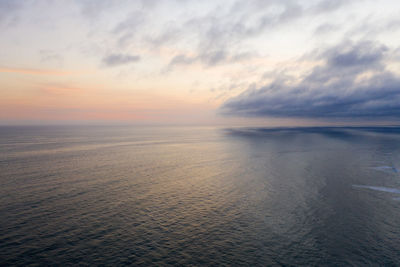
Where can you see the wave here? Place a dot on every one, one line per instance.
(379, 188)
(386, 169)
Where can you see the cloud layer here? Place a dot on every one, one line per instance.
(352, 82)
(119, 59)
(250, 56)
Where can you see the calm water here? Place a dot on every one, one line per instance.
(199, 196)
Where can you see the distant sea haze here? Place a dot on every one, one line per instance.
(193, 196)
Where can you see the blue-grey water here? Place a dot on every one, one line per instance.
(157, 196)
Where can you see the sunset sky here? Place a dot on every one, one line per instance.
(200, 62)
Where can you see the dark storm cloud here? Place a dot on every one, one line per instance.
(352, 82)
(119, 59)
(361, 55)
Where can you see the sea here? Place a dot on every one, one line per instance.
(199, 196)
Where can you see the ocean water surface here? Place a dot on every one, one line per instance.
(158, 196)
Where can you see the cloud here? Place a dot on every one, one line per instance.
(329, 5)
(129, 27)
(113, 60)
(182, 59)
(352, 82)
(210, 34)
(8, 10)
(210, 58)
(222, 34)
(365, 54)
(93, 9)
(371, 27)
(50, 56)
(326, 28)
(35, 71)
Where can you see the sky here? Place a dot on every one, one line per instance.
(242, 62)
